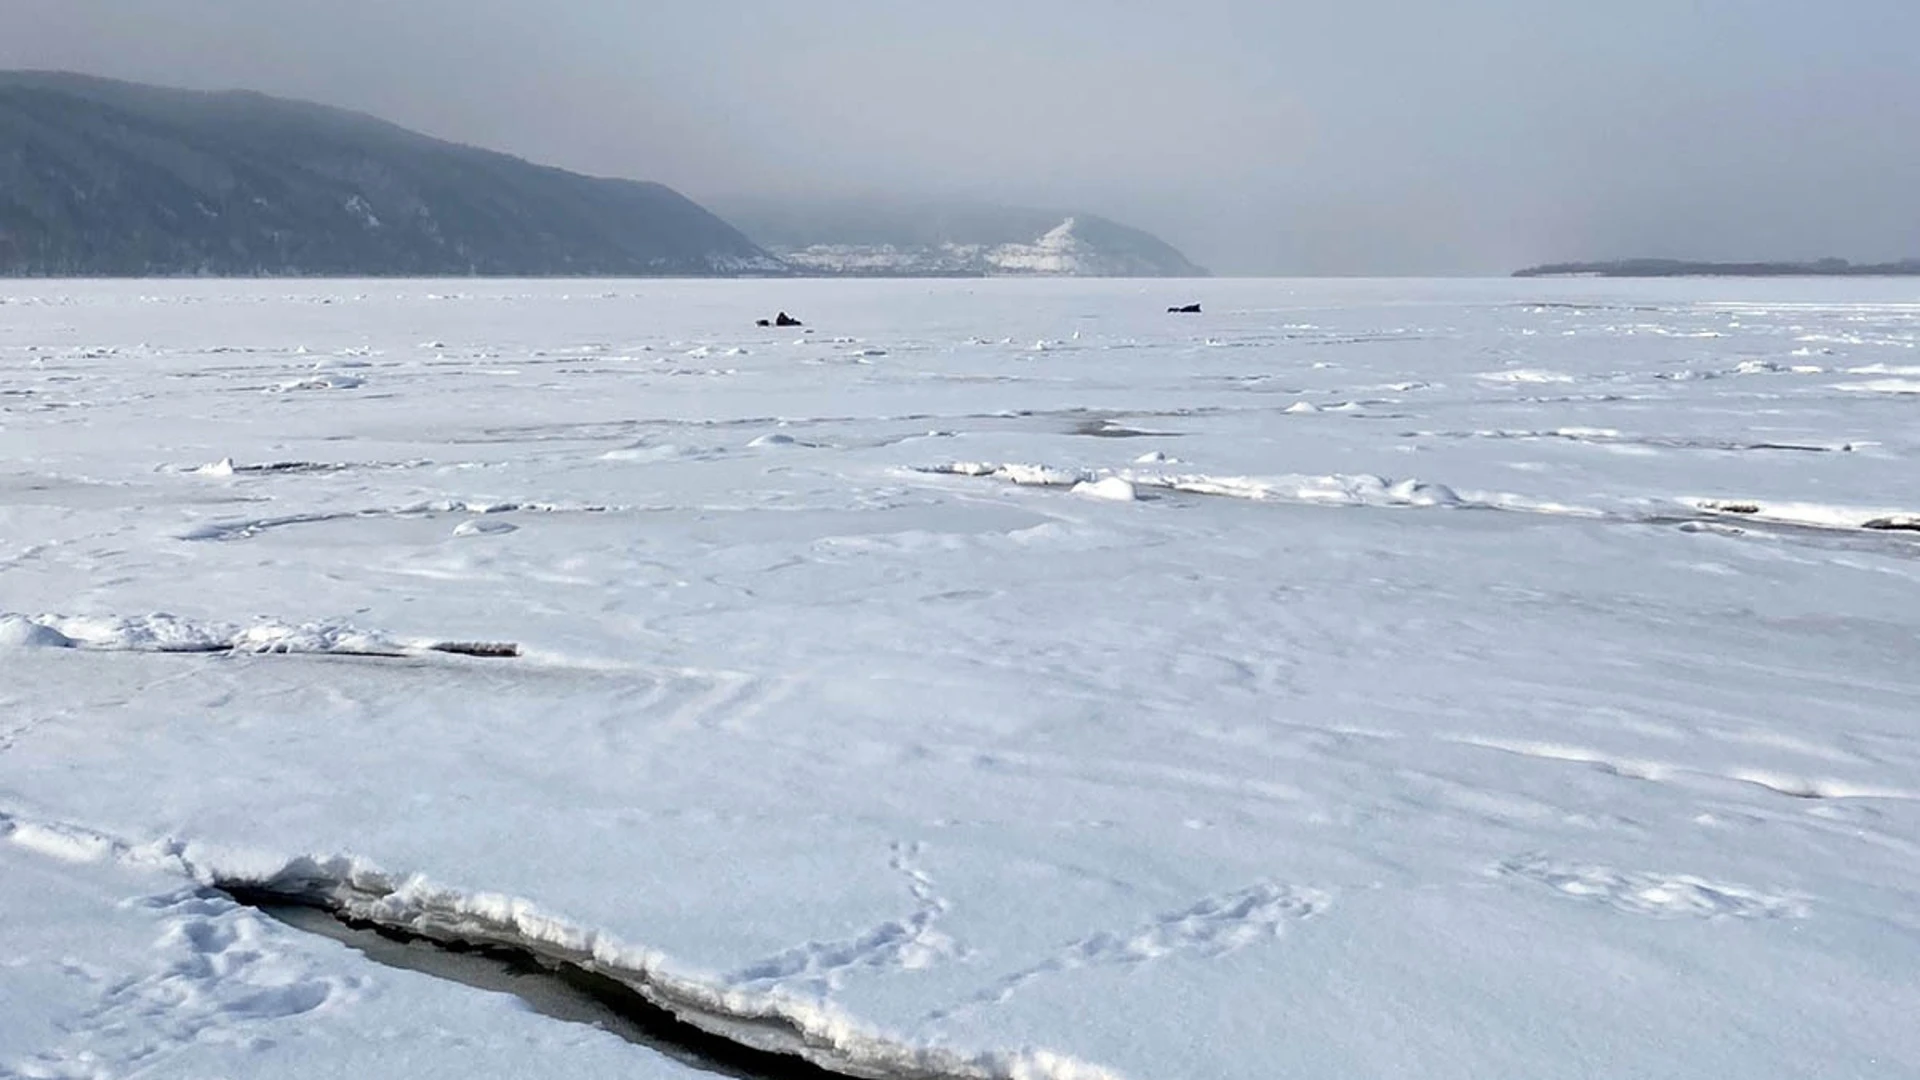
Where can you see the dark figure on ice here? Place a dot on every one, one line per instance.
(785, 319)
(1189, 309)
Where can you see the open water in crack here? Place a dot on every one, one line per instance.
(563, 992)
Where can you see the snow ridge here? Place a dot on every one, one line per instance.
(164, 633)
(355, 890)
(1368, 490)
(1354, 490)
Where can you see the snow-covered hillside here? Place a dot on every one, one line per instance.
(1060, 252)
(992, 679)
(883, 239)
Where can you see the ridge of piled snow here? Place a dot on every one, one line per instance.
(1813, 515)
(161, 632)
(1366, 489)
(1352, 490)
(355, 889)
(1112, 489)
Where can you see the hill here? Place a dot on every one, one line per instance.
(107, 178)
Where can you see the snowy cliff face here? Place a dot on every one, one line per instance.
(1064, 252)
(1058, 252)
(882, 240)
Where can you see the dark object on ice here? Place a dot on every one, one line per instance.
(784, 319)
(763, 322)
(1189, 309)
(1896, 523)
(491, 650)
(1111, 429)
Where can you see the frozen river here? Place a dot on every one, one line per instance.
(990, 679)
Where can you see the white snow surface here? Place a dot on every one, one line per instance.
(1539, 700)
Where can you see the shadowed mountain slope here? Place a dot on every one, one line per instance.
(99, 177)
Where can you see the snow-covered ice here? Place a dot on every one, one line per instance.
(1440, 679)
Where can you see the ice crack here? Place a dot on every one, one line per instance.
(791, 1036)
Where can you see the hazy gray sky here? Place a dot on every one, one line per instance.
(1337, 136)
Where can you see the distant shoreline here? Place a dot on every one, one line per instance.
(1646, 268)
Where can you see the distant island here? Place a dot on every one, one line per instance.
(1650, 268)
